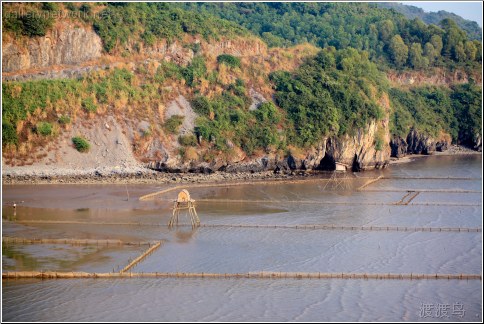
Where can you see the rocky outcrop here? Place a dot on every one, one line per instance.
(172, 52)
(437, 77)
(179, 53)
(181, 107)
(59, 53)
(398, 147)
(356, 152)
(418, 143)
(63, 45)
(477, 142)
(257, 99)
(359, 152)
(442, 146)
(237, 47)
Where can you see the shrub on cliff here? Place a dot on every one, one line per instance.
(173, 123)
(31, 24)
(44, 128)
(64, 120)
(201, 105)
(229, 60)
(81, 144)
(194, 71)
(35, 24)
(9, 134)
(88, 105)
(187, 140)
(267, 114)
(50, 6)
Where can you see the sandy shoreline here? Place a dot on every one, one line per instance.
(140, 175)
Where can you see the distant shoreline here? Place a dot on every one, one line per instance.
(453, 150)
(147, 176)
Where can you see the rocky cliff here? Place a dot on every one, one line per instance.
(63, 45)
(417, 143)
(436, 77)
(368, 148)
(356, 153)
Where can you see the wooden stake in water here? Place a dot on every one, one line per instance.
(127, 192)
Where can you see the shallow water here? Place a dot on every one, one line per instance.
(86, 210)
(230, 300)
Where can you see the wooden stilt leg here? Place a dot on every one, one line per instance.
(197, 220)
(191, 216)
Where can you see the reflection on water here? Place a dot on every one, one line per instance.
(63, 257)
(184, 235)
(9, 213)
(84, 211)
(13, 259)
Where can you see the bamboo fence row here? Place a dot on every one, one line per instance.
(23, 240)
(305, 180)
(291, 226)
(150, 250)
(248, 275)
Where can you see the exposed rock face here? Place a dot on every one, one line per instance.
(238, 47)
(174, 52)
(398, 147)
(478, 143)
(359, 152)
(181, 107)
(257, 99)
(417, 143)
(182, 55)
(437, 77)
(356, 152)
(442, 146)
(62, 45)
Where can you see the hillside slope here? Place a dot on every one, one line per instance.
(470, 27)
(179, 100)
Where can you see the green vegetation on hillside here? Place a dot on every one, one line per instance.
(467, 105)
(225, 120)
(229, 60)
(173, 123)
(473, 30)
(430, 110)
(118, 23)
(362, 26)
(121, 22)
(26, 105)
(332, 94)
(35, 21)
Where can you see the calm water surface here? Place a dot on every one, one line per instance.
(235, 249)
